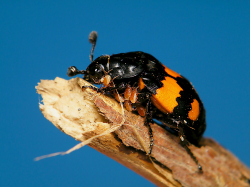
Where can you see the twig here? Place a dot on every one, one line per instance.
(100, 122)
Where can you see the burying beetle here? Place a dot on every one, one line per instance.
(144, 84)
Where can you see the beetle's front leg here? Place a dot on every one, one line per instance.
(93, 88)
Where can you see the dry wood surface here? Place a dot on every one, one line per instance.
(100, 122)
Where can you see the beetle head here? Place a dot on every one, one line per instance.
(94, 73)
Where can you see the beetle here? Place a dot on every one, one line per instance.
(150, 88)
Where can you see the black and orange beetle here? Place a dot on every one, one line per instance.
(155, 91)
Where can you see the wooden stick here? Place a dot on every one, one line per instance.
(102, 123)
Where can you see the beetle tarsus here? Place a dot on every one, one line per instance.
(185, 144)
(93, 88)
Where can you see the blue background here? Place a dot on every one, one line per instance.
(207, 42)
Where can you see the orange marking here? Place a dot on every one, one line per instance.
(195, 110)
(165, 97)
(141, 84)
(171, 72)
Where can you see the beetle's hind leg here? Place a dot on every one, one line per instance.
(178, 126)
(185, 145)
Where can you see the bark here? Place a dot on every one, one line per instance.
(102, 123)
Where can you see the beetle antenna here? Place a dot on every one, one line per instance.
(92, 40)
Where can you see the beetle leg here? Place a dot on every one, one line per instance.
(149, 119)
(100, 90)
(93, 88)
(178, 126)
(185, 145)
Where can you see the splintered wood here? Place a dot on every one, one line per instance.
(101, 122)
